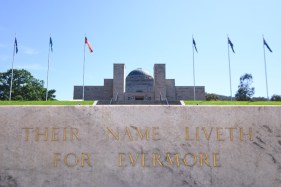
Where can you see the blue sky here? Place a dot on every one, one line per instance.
(141, 33)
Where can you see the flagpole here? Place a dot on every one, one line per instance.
(194, 95)
(265, 68)
(229, 68)
(11, 85)
(84, 68)
(48, 69)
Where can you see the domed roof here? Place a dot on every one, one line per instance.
(139, 74)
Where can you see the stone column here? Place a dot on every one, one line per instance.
(119, 81)
(159, 81)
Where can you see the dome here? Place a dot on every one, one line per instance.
(138, 81)
(139, 74)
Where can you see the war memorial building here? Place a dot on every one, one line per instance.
(139, 86)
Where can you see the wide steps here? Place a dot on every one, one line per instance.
(107, 102)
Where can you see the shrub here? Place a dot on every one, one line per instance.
(211, 97)
(18, 98)
(259, 99)
(276, 98)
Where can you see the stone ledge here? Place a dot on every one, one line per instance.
(140, 145)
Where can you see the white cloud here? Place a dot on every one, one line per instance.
(31, 67)
(29, 50)
(22, 49)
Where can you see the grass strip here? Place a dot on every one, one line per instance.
(243, 103)
(46, 103)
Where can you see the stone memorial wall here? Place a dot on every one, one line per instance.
(140, 146)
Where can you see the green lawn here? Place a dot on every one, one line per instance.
(247, 103)
(46, 102)
(232, 102)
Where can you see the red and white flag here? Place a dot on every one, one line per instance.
(89, 46)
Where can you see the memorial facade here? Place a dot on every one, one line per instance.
(139, 85)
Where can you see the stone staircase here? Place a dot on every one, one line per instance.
(107, 102)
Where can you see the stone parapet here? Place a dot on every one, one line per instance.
(129, 146)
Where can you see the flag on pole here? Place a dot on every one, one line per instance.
(264, 43)
(231, 44)
(51, 44)
(194, 44)
(16, 45)
(89, 46)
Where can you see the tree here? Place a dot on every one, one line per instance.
(25, 86)
(245, 91)
(211, 97)
(276, 98)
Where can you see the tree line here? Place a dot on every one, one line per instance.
(245, 92)
(25, 86)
